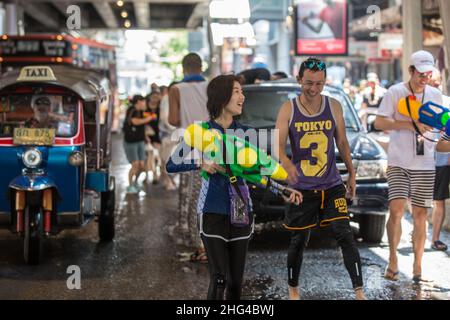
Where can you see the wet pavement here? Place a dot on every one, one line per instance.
(143, 262)
(324, 276)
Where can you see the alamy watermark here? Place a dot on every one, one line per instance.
(74, 17)
(374, 20)
(74, 280)
(250, 143)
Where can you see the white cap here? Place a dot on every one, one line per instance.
(423, 61)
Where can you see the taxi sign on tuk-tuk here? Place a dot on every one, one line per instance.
(36, 73)
(34, 136)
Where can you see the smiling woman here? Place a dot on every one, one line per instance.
(224, 205)
(221, 92)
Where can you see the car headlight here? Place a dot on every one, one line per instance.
(32, 158)
(76, 159)
(371, 169)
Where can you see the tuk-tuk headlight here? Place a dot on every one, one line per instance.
(32, 158)
(76, 159)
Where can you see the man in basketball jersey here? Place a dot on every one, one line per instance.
(313, 122)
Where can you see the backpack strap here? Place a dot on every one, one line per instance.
(232, 177)
(414, 123)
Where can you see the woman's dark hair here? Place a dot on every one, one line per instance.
(219, 92)
(148, 98)
(136, 98)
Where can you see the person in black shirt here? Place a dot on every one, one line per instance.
(134, 140)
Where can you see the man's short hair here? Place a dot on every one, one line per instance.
(251, 75)
(315, 67)
(281, 75)
(192, 61)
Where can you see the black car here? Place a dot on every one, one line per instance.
(369, 208)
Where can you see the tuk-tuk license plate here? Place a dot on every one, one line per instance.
(35, 136)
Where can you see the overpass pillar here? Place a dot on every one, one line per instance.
(11, 19)
(412, 32)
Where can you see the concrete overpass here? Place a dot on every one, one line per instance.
(51, 16)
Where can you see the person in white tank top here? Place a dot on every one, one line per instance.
(187, 100)
(187, 104)
(192, 102)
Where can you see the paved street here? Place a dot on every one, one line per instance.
(143, 261)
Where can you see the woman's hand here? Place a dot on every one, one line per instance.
(210, 167)
(296, 197)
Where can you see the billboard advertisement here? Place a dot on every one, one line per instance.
(321, 27)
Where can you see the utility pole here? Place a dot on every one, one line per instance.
(215, 52)
(412, 31)
(444, 9)
(12, 19)
(283, 62)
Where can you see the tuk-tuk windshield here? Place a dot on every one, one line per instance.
(39, 111)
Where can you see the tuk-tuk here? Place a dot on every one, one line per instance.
(55, 154)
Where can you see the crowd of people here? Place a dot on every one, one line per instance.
(318, 195)
(147, 142)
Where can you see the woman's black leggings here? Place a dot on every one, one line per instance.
(226, 262)
(344, 236)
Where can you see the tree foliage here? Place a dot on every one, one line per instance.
(173, 52)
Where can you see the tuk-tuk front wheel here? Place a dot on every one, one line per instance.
(106, 225)
(33, 235)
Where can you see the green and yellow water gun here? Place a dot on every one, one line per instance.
(244, 159)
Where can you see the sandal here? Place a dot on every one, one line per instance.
(391, 275)
(199, 256)
(418, 279)
(439, 245)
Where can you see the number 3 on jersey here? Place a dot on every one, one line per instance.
(316, 168)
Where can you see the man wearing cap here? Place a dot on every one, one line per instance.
(411, 169)
(42, 117)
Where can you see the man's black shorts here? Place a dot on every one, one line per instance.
(319, 207)
(441, 183)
